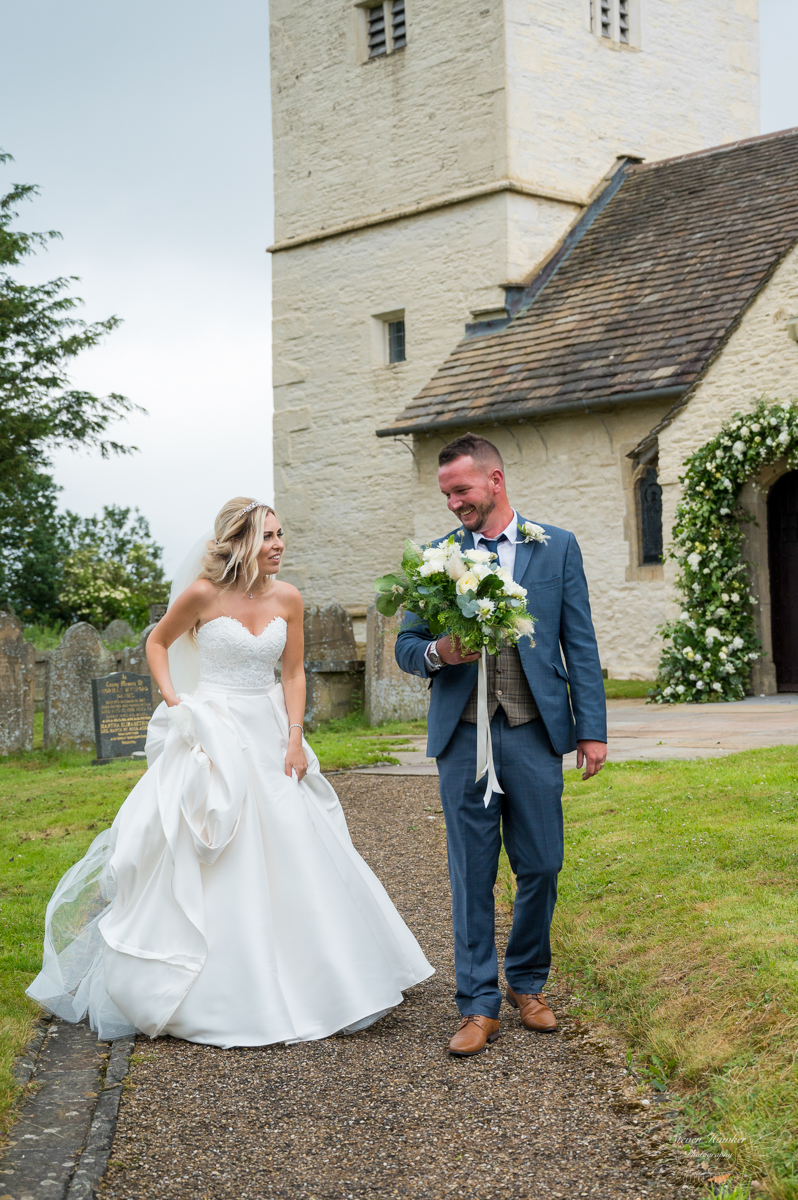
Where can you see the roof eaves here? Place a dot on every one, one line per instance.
(496, 415)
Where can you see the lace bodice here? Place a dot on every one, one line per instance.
(230, 654)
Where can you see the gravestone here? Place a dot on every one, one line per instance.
(156, 612)
(333, 673)
(17, 686)
(122, 705)
(119, 631)
(68, 711)
(391, 695)
(134, 658)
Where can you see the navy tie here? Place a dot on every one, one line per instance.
(493, 546)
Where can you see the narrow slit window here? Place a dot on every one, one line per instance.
(396, 341)
(649, 495)
(377, 38)
(398, 28)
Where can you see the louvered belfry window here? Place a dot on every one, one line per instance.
(386, 27)
(377, 41)
(606, 19)
(398, 30)
(623, 21)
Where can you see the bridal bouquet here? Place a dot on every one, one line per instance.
(464, 593)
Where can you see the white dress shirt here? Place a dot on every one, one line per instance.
(506, 553)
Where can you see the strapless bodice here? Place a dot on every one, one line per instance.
(229, 654)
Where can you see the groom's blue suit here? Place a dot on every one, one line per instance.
(528, 760)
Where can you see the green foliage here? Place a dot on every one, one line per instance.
(31, 548)
(627, 689)
(112, 568)
(39, 411)
(712, 644)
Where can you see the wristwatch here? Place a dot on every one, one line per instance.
(433, 657)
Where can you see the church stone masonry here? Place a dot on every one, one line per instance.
(412, 186)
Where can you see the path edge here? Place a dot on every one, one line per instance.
(93, 1161)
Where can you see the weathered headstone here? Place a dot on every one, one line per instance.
(119, 631)
(333, 672)
(134, 658)
(68, 712)
(156, 612)
(122, 705)
(17, 686)
(391, 695)
(41, 669)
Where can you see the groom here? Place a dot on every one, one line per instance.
(534, 722)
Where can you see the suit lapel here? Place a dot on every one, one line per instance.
(467, 541)
(523, 555)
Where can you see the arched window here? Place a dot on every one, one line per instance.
(649, 507)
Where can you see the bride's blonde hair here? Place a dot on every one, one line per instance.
(238, 537)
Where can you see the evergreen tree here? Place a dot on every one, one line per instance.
(39, 411)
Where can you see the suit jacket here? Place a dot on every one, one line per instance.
(557, 597)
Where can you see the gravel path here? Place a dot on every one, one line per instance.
(386, 1112)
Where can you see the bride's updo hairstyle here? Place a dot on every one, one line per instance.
(238, 534)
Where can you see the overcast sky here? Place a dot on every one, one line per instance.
(147, 128)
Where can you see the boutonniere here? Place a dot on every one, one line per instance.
(531, 532)
(460, 535)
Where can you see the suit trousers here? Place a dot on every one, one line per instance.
(528, 816)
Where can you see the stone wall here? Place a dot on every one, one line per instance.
(17, 686)
(391, 695)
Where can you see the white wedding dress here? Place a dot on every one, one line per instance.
(226, 904)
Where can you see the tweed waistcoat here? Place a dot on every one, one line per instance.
(508, 687)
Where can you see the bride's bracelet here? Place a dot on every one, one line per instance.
(296, 725)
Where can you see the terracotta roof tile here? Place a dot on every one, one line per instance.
(646, 297)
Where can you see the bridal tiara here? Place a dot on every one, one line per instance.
(249, 508)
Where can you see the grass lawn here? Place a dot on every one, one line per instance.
(678, 921)
(627, 689)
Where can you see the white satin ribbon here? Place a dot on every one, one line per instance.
(484, 743)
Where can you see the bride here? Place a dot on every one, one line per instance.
(226, 904)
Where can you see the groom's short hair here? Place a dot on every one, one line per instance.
(479, 449)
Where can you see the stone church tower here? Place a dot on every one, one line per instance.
(425, 154)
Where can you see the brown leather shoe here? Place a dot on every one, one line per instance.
(535, 1012)
(474, 1034)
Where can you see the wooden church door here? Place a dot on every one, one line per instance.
(783, 556)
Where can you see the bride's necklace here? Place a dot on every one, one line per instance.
(261, 592)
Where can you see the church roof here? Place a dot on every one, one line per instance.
(639, 304)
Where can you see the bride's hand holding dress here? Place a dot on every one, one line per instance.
(227, 904)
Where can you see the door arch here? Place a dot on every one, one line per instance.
(783, 563)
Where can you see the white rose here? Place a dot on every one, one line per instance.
(478, 556)
(724, 597)
(718, 454)
(438, 553)
(434, 567)
(737, 643)
(514, 589)
(480, 570)
(722, 655)
(745, 431)
(700, 683)
(735, 598)
(716, 687)
(693, 560)
(668, 691)
(738, 449)
(680, 688)
(503, 574)
(693, 678)
(466, 583)
(784, 437)
(685, 616)
(756, 428)
(710, 634)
